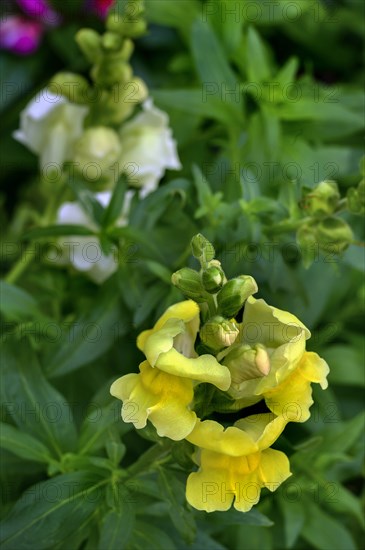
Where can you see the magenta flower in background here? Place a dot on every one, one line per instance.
(100, 7)
(40, 10)
(20, 35)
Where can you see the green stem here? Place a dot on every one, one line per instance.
(287, 226)
(27, 257)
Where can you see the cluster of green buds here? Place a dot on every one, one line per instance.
(323, 230)
(220, 299)
(115, 91)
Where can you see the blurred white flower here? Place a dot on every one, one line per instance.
(148, 148)
(84, 252)
(49, 127)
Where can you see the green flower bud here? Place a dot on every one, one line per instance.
(117, 103)
(202, 249)
(246, 362)
(218, 333)
(136, 28)
(111, 70)
(111, 41)
(71, 85)
(333, 235)
(323, 199)
(96, 151)
(188, 281)
(89, 42)
(234, 294)
(356, 198)
(213, 279)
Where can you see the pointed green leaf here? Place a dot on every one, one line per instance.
(22, 444)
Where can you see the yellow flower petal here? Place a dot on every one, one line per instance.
(223, 480)
(187, 311)
(219, 481)
(204, 368)
(245, 437)
(162, 398)
(274, 468)
(293, 397)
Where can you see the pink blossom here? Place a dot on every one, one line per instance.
(20, 35)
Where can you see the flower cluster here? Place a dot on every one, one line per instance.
(100, 130)
(219, 351)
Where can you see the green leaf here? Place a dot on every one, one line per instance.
(173, 491)
(323, 531)
(343, 435)
(209, 56)
(146, 535)
(257, 63)
(287, 73)
(346, 365)
(151, 298)
(234, 517)
(173, 14)
(294, 516)
(16, 303)
(57, 231)
(22, 444)
(117, 527)
(87, 338)
(309, 109)
(159, 270)
(205, 102)
(217, 78)
(94, 432)
(33, 404)
(51, 511)
(115, 206)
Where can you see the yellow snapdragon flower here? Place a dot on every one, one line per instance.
(236, 463)
(270, 362)
(163, 390)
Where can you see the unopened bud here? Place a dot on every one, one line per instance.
(202, 249)
(219, 333)
(71, 85)
(334, 235)
(111, 70)
(323, 199)
(246, 362)
(356, 199)
(188, 281)
(111, 41)
(213, 278)
(96, 151)
(89, 42)
(234, 294)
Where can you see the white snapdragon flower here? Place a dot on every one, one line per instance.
(148, 148)
(84, 252)
(49, 127)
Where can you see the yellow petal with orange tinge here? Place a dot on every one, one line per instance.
(159, 397)
(293, 397)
